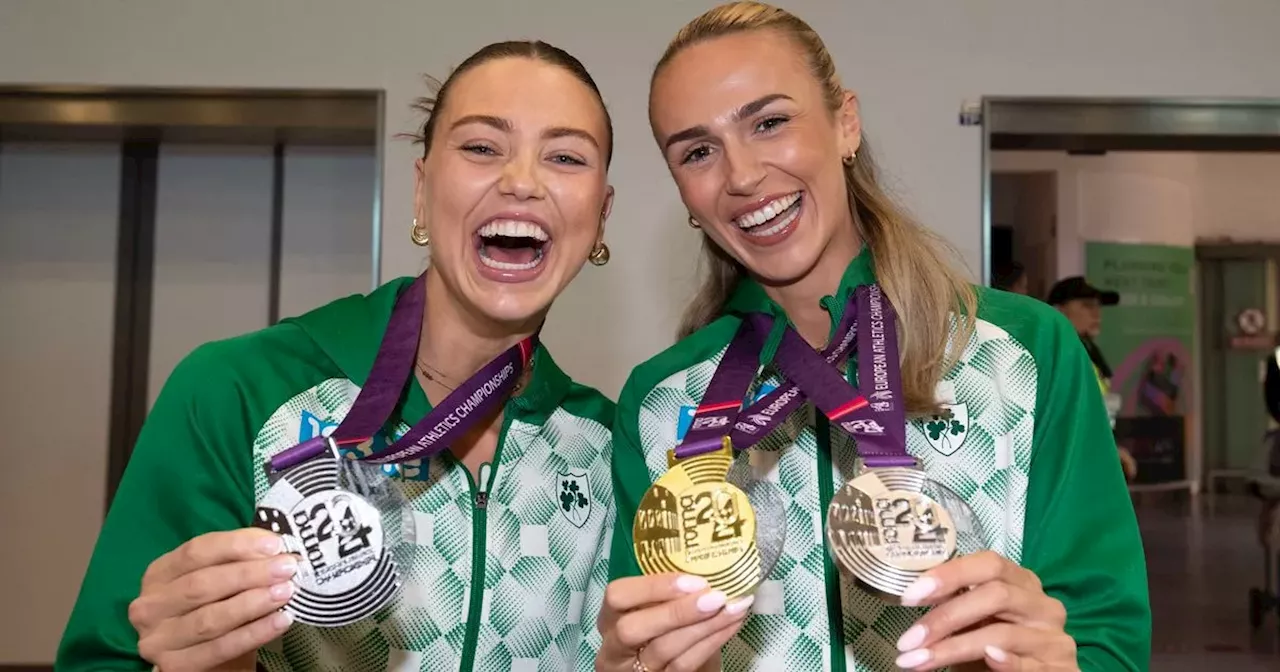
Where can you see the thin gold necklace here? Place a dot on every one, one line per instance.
(422, 368)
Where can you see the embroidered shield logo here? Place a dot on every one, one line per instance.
(574, 497)
(947, 432)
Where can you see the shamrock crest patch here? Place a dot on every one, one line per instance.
(947, 432)
(574, 500)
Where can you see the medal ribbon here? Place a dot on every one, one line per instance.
(721, 413)
(877, 419)
(471, 402)
(873, 414)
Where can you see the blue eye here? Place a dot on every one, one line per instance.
(483, 150)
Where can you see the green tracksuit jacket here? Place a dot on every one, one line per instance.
(511, 583)
(1027, 444)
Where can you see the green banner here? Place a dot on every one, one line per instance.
(1147, 340)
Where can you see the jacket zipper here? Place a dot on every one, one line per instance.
(826, 490)
(479, 535)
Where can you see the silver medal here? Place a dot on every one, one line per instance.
(770, 508)
(345, 571)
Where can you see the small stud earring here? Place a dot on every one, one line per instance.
(599, 254)
(419, 235)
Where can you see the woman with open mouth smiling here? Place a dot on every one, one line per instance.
(286, 480)
(946, 495)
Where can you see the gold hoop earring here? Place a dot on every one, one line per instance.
(848, 160)
(419, 235)
(599, 254)
(693, 223)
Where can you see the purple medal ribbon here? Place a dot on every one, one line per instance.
(873, 414)
(467, 405)
(877, 420)
(721, 413)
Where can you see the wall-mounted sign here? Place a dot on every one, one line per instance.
(1252, 325)
(1252, 321)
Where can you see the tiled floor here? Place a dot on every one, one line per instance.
(1201, 567)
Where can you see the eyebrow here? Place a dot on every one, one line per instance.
(506, 127)
(741, 113)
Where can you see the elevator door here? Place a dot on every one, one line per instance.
(217, 210)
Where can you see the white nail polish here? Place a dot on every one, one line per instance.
(912, 638)
(996, 654)
(740, 605)
(913, 659)
(919, 590)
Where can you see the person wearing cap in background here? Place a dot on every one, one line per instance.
(1082, 304)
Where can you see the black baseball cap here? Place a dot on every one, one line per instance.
(1074, 287)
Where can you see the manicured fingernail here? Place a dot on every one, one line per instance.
(282, 591)
(739, 606)
(913, 659)
(918, 591)
(690, 584)
(271, 545)
(913, 638)
(282, 620)
(996, 654)
(712, 601)
(285, 567)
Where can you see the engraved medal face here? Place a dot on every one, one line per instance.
(345, 573)
(886, 529)
(691, 521)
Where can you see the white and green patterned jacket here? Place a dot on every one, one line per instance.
(504, 574)
(1027, 444)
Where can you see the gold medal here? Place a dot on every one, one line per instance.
(885, 531)
(692, 521)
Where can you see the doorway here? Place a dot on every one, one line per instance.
(1173, 202)
(1240, 313)
(1024, 213)
(136, 225)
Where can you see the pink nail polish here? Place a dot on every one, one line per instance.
(690, 584)
(913, 659)
(712, 601)
(912, 638)
(918, 591)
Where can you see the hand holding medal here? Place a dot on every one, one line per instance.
(909, 539)
(213, 599)
(341, 517)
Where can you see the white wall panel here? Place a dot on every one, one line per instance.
(58, 211)
(213, 235)
(328, 235)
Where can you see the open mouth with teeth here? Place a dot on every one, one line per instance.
(773, 218)
(512, 245)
